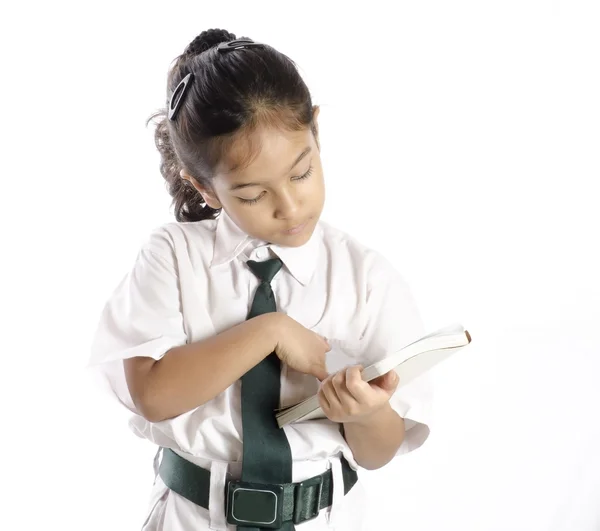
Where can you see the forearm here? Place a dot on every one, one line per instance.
(375, 440)
(191, 375)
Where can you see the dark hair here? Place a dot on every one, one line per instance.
(230, 95)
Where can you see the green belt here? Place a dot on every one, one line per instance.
(265, 506)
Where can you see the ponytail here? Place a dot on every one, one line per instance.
(188, 203)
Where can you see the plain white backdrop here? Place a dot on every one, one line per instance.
(459, 138)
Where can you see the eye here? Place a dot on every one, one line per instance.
(258, 198)
(251, 201)
(305, 176)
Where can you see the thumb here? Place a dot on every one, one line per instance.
(320, 371)
(389, 381)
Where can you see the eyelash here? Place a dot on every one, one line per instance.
(299, 178)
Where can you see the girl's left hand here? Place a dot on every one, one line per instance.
(346, 397)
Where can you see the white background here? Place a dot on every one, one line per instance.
(460, 138)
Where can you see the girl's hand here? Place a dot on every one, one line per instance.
(346, 397)
(300, 348)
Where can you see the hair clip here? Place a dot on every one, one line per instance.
(237, 44)
(178, 95)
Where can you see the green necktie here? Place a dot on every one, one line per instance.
(267, 457)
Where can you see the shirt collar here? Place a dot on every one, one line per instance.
(230, 241)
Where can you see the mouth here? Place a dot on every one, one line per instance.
(296, 228)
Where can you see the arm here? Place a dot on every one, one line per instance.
(152, 367)
(372, 429)
(190, 375)
(375, 440)
(393, 322)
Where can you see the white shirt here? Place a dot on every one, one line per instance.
(190, 282)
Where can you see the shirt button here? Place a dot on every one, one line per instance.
(260, 254)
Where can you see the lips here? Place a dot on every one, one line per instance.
(296, 228)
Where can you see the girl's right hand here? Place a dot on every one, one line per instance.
(300, 348)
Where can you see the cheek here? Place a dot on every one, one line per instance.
(250, 218)
(317, 189)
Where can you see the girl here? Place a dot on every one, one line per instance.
(224, 315)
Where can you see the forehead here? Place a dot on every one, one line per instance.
(266, 151)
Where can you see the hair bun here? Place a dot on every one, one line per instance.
(207, 39)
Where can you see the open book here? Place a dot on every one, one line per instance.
(409, 362)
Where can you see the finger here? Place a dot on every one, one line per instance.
(330, 392)
(319, 370)
(324, 401)
(388, 382)
(347, 399)
(336, 387)
(356, 386)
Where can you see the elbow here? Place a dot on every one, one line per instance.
(148, 400)
(155, 406)
(152, 415)
(144, 388)
(374, 463)
(147, 406)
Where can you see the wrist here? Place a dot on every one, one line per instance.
(379, 416)
(272, 325)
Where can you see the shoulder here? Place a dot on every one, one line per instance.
(170, 241)
(342, 246)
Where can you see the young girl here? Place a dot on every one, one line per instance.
(249, 302)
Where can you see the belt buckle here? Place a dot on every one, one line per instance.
(254, 504)
(299, 509)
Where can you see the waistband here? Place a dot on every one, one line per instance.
(293, 502)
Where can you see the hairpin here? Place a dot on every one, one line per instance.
(181, 89)
(178, 95)
(237, 44)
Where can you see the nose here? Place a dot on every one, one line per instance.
(288, 205)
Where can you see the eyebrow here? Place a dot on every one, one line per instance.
(246, 185)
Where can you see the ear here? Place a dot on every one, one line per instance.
(207, 193)
(316, 110)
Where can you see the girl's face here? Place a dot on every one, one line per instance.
(279, 197)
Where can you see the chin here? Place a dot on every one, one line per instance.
(295, 241)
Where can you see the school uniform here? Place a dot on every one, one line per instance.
(189, 282)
